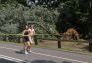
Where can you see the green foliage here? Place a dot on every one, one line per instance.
(10, 28)
(44, 16)
(76, 14)
(10, 14)
(45, 19)
(19, 16)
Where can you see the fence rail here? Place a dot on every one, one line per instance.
(18, 38)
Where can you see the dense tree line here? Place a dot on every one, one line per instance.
(14, 16)
(76, 14)
(50, 14)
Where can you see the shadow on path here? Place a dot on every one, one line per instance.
(45, 61)
(35, 61)
(6, 61)
(19, 52)
(40, 61)
(66, 62)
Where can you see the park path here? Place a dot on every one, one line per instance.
(10, 53)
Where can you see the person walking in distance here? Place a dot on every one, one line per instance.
(26, 39)
(31, 36)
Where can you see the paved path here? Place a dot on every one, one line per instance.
(10, 53)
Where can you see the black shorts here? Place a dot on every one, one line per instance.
(25, 39)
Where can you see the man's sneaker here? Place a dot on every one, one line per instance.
(30, 51)
(26, 52)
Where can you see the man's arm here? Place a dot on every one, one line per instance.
(34, 32)
(23, 32)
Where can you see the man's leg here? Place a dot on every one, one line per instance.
(29, 47)
(25, 48)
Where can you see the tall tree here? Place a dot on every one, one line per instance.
(75, 13)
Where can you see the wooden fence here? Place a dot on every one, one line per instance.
(18, 38)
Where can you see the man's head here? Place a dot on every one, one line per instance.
(26, 27)
(31, 26)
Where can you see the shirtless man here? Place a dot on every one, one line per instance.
(31, 36)
(26, 39)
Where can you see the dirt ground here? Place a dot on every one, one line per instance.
(75, 46)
